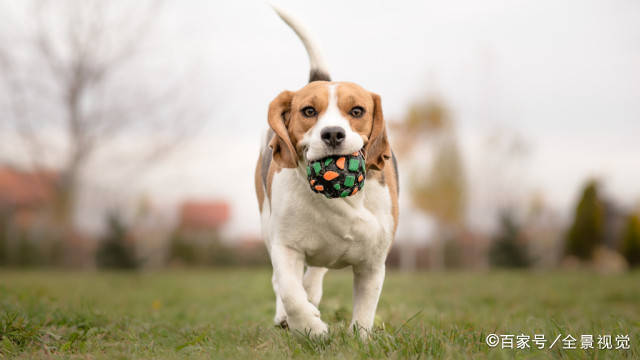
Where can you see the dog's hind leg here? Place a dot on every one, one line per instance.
(313, 283)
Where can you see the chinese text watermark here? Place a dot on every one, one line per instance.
(566, 342)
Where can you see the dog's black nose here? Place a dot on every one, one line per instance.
(332, 135)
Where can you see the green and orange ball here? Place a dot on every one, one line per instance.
(337, 176)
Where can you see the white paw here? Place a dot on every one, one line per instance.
(311, 325)
(282, 323)
(361, 331)
(280, 320)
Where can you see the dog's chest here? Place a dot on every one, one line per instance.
(331, 232)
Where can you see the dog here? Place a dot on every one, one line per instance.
(302, 228)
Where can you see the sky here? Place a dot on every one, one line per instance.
(562, 76)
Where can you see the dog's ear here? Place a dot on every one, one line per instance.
(377, 149)
(284, 153)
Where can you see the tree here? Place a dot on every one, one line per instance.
(4, 243)
(424, 119)
(587, 230)
(439, 191)
(630, 246)
(508, 248)
(73, 74)
(442, 192)
(115, 252)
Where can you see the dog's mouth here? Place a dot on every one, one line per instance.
(337, 176)
(327, 153)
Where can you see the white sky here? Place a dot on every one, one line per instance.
(563, 75)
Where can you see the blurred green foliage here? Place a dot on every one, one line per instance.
(28, 247)
(429, 116)
(189, 248)
(4, 239)
(115, 251)
(630, 248)
(509, 248)
(587, 230)
(442, 192)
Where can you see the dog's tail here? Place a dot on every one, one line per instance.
(319, 70)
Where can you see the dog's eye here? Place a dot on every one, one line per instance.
(356, 112)
(309, 111)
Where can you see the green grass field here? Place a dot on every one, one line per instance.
(228, 313)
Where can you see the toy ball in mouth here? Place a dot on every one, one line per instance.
(337, 175)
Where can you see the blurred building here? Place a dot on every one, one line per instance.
(204, 216)
(26, 215)
(251, 251)
(197, 239)
(26, 196)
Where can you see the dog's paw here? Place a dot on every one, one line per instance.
(358, 330)
(311, 325)
(282, 324)
(281, 320)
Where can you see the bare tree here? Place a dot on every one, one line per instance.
(440, 189)
(70, 87)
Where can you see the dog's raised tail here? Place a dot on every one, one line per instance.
(319, 70)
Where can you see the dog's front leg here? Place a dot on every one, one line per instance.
(302, 316)
(367, 285)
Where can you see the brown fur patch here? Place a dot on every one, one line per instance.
(258, 183)
(391, 178)
(274, 169)
(315, 94)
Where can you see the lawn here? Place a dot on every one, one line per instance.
(227, 314)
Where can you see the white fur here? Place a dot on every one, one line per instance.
(316, 60)
(302, 227)
(316, 148)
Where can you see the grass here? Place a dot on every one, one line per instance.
(227, 314)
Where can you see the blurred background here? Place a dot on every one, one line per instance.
(129, 130)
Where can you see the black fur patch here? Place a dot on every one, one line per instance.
(318, 75)
(267, 155)
(395, 167)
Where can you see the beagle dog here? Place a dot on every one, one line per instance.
(302, 228)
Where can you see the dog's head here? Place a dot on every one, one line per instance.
(328, 118)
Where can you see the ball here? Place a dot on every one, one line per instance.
(337, 176)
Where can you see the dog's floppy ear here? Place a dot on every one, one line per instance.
(377, 149)
(284, 153)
